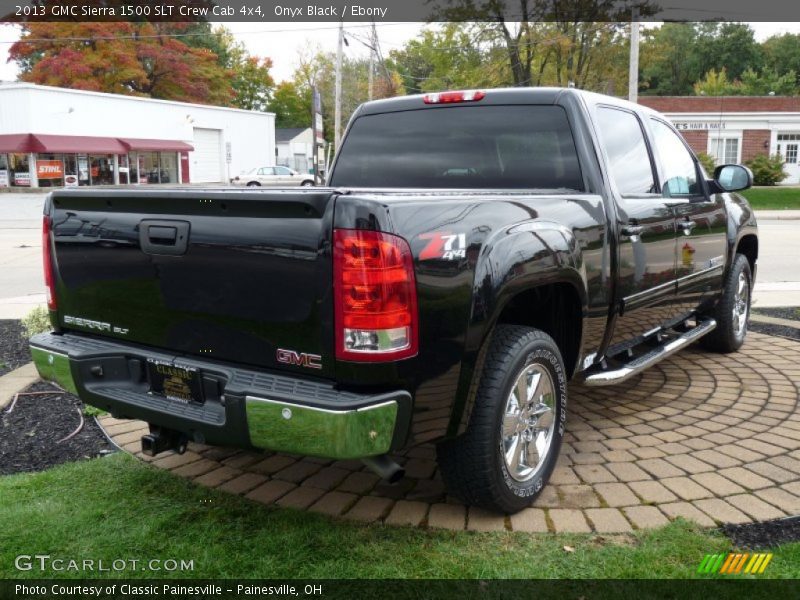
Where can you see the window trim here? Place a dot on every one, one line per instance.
(647, 142)
(714, 137)
(700, 172)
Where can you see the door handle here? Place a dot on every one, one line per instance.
(687, 226)
(632, 230)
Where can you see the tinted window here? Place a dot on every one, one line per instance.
(461, 147)
(627, 152)
(680, 170)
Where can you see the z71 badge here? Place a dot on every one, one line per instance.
(443, 245)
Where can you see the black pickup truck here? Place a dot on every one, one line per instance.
(472, 253)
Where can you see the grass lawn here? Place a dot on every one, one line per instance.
(773, 198)
(117, 507)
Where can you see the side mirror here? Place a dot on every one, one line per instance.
(732, 178)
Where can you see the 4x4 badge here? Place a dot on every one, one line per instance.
(443, 245)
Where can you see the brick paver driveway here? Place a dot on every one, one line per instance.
(710, 438)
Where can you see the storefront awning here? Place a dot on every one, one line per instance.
(156, 145)
(84, 144)
(14, 143)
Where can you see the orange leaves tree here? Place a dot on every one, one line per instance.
(170, 61)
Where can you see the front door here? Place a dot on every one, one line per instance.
(700, 219)
(788, 146)
(645, 227)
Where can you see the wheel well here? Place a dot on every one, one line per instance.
(556, 310)
(748, 246)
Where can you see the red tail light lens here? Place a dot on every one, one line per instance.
(453, 97)
(375, 296)
(47, 258)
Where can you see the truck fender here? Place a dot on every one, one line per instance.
(513, 260)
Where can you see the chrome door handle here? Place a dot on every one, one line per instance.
(632, 230)
(687, 227)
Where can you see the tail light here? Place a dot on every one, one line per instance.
(375, 296)
(47, 258)
(453, 97)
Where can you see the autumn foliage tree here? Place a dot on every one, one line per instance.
(170, 61)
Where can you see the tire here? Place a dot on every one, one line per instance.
(733, 309)
(253, 184)
(307, 184)
(476, 466)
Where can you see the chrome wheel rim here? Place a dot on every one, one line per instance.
(528, 423)
(741, 305)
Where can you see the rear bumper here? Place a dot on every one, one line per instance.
(243, 407)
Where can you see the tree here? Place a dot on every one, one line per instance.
(715, 83)
(291, 105)
(544, 41)
(121, 58)
(188, 62)
(782, 54)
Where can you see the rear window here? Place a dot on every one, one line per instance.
(461, 147)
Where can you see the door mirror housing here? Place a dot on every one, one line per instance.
(731, 178)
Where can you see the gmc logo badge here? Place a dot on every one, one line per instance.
(299, 359)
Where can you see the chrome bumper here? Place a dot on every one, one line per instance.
(256, 409)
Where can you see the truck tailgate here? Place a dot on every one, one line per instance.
(230, 275)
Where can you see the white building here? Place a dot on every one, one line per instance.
(294, 148)
(51, 137)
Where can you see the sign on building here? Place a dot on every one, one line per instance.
(228, 153)
(3, 178)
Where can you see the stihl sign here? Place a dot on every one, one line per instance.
(49, 169)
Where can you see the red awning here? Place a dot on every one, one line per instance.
(84, 144)
(15, 143)
(77, 143)
(156, 145)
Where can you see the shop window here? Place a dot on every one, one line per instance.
(169, 167)
(50, 170)
(101, 169)
(19, 171)
(71, 178)
(725, 150)
(5, 180)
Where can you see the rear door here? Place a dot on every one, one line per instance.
(645, 227)
(701, 221)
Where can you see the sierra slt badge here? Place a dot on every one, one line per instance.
(95, 325)
(299, 359)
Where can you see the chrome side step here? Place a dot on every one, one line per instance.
(597, 376)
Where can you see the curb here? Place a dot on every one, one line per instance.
(16, 381)
(777, 215)
(767, 320)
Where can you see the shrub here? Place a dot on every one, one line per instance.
(708, 162)
(36, 321)
(767, 170)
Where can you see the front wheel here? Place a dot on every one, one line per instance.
(505, 457)
(733, 309)
(253, 184)
(307, 183)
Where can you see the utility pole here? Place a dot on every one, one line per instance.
(373, 45)
(633, 72)
(337, 115)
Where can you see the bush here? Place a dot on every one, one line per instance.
(767, 170)
(708, 162)
(36, 321)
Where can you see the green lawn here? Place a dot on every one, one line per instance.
(773, 198)
(117, 507)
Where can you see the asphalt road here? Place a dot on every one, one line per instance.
(22, 287)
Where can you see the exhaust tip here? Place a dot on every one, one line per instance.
(385, 468)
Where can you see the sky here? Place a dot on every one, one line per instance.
(283, 41)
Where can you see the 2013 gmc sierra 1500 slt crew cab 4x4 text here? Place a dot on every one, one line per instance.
(473, 252)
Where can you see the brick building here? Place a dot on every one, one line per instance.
(733, 129)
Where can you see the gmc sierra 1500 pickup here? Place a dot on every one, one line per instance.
(472, 253)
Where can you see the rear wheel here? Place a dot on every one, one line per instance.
(733, 309)
(253, 184)
(307, 183)
(505, 457)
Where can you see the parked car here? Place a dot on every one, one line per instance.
(273, 177)
(474, 252)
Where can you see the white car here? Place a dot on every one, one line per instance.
(273, 177)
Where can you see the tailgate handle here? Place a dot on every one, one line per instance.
(164, 237)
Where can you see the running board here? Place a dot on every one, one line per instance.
(597, 376)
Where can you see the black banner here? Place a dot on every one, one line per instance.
(396, 11)
(542, 589)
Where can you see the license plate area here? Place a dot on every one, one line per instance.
(174, 382)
